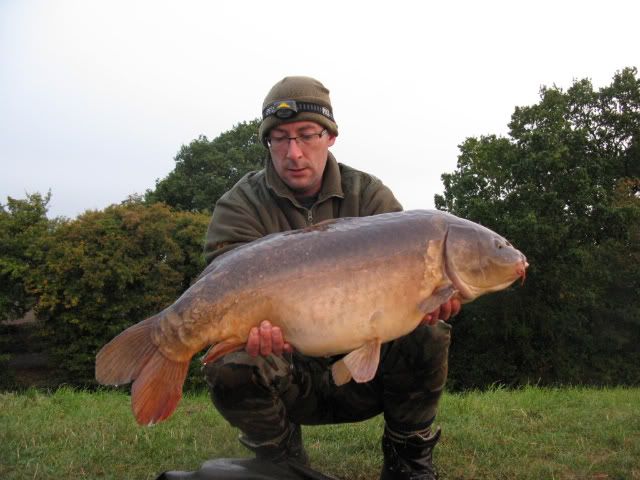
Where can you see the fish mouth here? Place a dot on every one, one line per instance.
(467, 292)
(521, 270)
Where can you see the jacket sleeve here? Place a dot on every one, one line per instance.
(378, 198)
(234, 222)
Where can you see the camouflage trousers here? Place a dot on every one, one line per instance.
(263, 396)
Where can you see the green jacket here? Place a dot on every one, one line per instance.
(260, 204)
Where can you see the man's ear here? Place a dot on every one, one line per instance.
(332, 139)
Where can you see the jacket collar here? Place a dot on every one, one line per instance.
(331, 182)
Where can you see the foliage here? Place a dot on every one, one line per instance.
(109, 269)
(24, 228)
(206, 169)
(565, 188)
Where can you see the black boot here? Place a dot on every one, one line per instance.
(288, 447)
(409, 456)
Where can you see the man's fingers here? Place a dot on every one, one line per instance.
(277, 341)
(449, 309)
(445, 311)
(434, 316)
(253, 342)
(265, 338)
(455, 307)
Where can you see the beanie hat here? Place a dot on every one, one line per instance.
(295, 99)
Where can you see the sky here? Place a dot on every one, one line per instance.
(97, 96)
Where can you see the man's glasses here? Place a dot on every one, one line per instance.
(305, 139)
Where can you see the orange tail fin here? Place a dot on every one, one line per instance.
(157, 391)
(130, 356)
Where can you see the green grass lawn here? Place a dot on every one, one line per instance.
(531, 433)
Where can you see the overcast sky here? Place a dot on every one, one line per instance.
(96, 97)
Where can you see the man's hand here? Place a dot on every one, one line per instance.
(265, 340)
(444, 312)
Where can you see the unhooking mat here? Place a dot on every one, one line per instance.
(247, 469)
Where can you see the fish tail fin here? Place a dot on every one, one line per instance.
(121, 360)
(133, 357)
(157, 391)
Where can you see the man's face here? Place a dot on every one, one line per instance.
(300, 165)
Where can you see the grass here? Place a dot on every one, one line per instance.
(531, 433)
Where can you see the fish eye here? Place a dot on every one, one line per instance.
(501, 243)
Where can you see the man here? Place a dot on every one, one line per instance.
(269, 390)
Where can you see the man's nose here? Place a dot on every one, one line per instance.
(293, 149)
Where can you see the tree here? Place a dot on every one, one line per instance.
(206, 169)
(24, 230)
(565, 189)
(109, 269)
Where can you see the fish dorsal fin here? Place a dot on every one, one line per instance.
(437, 298)
(361, 364)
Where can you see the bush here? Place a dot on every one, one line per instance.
(109, 269)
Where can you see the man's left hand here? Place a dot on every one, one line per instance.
(444, 312)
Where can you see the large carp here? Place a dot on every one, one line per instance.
(342, 286)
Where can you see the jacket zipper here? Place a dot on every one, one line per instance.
(309, 217)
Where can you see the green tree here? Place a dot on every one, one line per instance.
(109, 269)
(24, 231)
(564, 187)
(206, 169)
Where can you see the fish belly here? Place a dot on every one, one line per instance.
(329, 315)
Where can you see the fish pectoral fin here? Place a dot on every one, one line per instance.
(437, 298)
(340, 373)
(363, 362)
(220, 350)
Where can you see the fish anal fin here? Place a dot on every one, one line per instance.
(437, 298)
(158, 389)
(340, 373)
(221, 349)
(363, 362)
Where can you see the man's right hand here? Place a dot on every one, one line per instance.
(266, 340)
(448, 309)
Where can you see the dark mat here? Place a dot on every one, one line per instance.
(247, 469)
